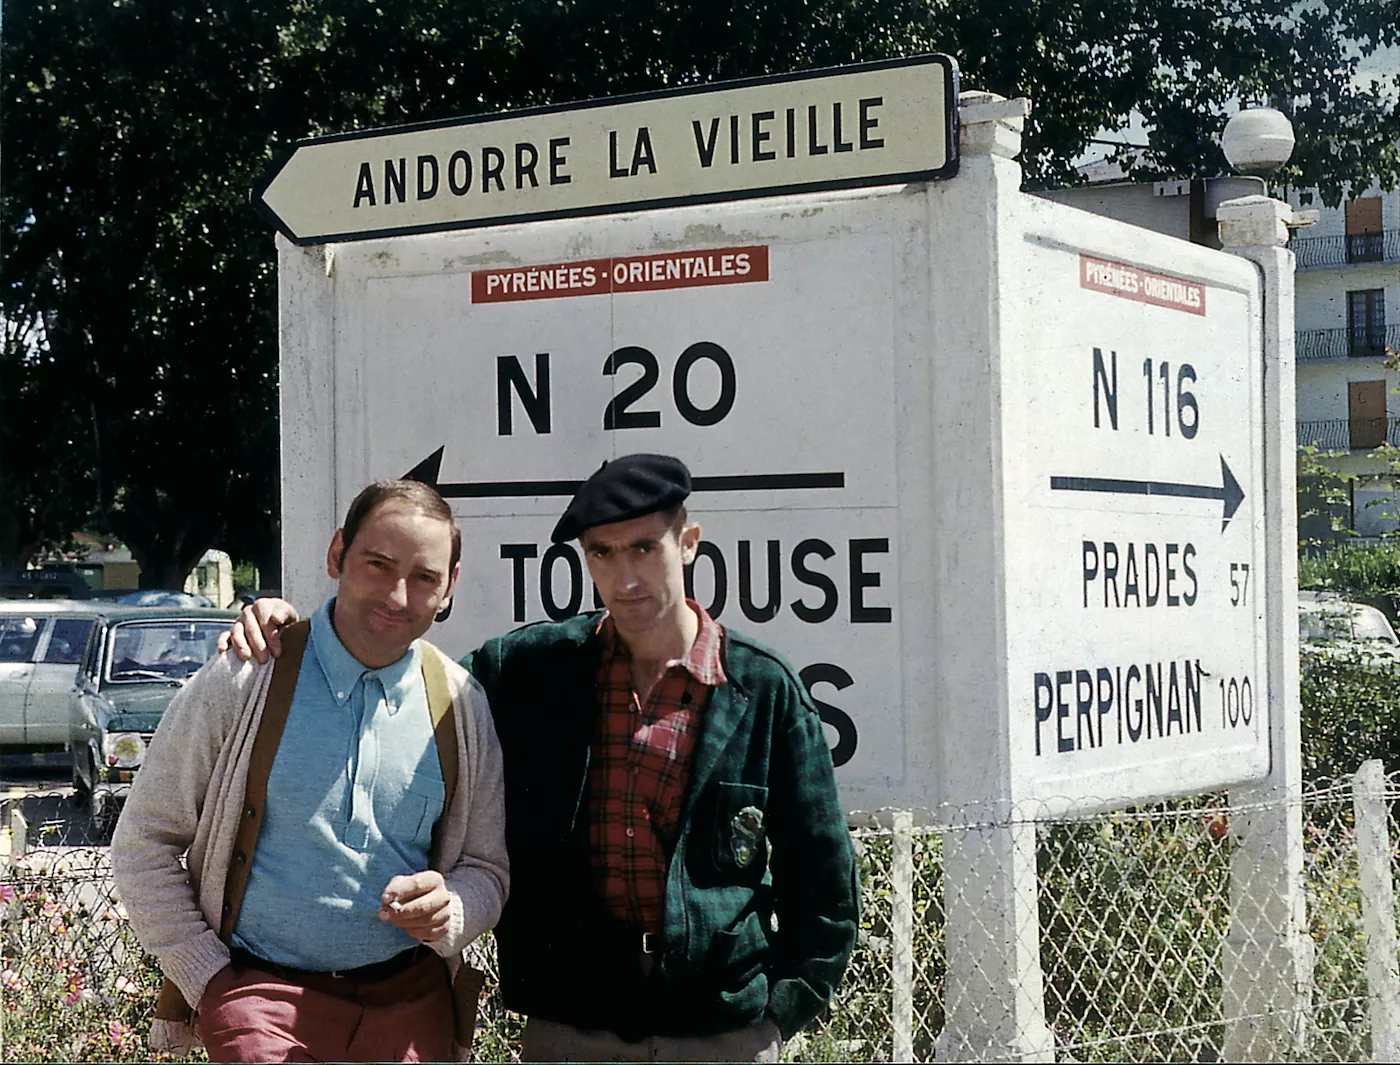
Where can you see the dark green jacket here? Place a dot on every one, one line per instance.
(722, 963)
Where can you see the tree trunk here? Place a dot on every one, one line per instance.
(166, 547)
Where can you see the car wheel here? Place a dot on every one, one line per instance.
(82, 789)
(102, 820)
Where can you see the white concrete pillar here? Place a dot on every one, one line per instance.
(902, 936)
(1267, 957)
(1373, 852)
(994, 1009)
(994, 1004)
(19, 830)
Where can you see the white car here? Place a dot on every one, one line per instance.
(42, 643)
(1328, 623)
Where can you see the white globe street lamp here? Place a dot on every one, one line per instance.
(1258, 140)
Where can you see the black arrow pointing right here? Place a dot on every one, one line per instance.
(1229, 493)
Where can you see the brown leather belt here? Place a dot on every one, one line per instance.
(378, 970)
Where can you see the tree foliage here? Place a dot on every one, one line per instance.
(138, 374)
(131, 132)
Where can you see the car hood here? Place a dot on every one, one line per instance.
(138, 702)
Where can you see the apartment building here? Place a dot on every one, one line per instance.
(1348, 398)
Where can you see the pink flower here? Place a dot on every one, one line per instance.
(7, 894)
(75, 981)
(11, 981)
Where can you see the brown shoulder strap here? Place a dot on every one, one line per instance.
(171, 1004)
(444, 728)
(274, 719)
(466, 987)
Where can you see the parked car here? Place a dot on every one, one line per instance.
(136, 662)
(42, 644)
(1330, 624)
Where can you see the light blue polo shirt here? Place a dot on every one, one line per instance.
(351, 801)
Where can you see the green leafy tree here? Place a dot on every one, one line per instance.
(1184, 66)
(131, 132)
(45, 482)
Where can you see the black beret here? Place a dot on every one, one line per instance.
(625, 488)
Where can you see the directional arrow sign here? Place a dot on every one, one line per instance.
(1229, 492)
(871, 124)
(427, 472)
(1136, 630)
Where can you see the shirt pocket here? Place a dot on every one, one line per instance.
(417, 811)
(741, 830)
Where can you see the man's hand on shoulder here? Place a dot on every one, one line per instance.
(257, 632)
(419, 904)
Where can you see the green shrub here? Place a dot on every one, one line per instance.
(1350, 711)
(1368, 571)
(1133, 911)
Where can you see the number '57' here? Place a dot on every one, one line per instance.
(1239, 582)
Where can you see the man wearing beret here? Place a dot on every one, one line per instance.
(683, 882)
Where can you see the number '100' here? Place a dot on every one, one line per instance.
(1236, 702)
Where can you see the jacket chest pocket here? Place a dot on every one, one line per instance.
(740, 829)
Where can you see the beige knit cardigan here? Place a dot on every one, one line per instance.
(187, 799)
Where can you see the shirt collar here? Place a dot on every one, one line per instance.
(703, 661)
(343, 670)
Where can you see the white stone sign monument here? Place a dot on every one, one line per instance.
(1008, 483)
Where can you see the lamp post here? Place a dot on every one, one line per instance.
(1267, 955)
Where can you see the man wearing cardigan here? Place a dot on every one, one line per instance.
(683, 883)
(360, 879)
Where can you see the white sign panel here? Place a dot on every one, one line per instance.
(506, 365)
(1134, 503)
(868, 124)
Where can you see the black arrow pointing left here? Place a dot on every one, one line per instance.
(427, 472)
(1229, 491)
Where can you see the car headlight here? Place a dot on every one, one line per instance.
(123, 749)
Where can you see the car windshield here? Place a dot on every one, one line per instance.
(1368, 623)
(159, 650)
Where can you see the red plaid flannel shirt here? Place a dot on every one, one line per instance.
(639, 768)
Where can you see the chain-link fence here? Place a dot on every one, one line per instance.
(1133, 934)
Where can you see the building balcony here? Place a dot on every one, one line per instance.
(1318, 345)
(1381, 247)
(1349, 434)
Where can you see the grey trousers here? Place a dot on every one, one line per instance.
(552, 1041)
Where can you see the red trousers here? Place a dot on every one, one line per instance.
(247, 1015)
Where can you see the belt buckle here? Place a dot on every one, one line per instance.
(650, 942)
